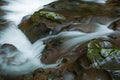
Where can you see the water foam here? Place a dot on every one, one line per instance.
(26, 57)
(17, 9)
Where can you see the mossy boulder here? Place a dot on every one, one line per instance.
(101, 52)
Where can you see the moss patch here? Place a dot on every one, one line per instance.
(51, 15)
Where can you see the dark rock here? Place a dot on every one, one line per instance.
(115, 37)
(113, 2)
(9, 46)
(35, 31)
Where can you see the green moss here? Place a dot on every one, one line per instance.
(99, 51)
(51, 15)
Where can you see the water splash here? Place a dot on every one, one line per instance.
(17, 9)
(26, 57)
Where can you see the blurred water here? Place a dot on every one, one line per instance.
(27, 56)
(17, 9)
(96, 1)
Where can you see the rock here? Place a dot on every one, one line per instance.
(69, 15)
(115, 74)
(42, 77)
(66, 15)
(113, 2)
(8, 46)
(35, 31)
(7, 53)
(102, 54)
(51, 15)
(115, 37)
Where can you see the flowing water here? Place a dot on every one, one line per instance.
(17, 9)
(27, 56)
(96, 1)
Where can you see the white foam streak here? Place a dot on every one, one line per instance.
(17, 9)
(96, 1)
(27, 56)
(14, 36)
(26, 59)
(102, 30)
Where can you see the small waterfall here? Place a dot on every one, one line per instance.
(26, 57)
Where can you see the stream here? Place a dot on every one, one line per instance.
(20, 56)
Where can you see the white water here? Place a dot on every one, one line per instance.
(27, 56)
(96, 1)
(20, 8)
(101, 30)
(17, 9)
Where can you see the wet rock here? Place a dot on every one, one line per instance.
(7, 53)
(42, 77)
(35, 31)
(46, 74)
(102, 54)
(69, 15)
(8, 46)
(66, 15)
(113, 2)
(115, 74)
(115, 37)
(80, 73)
(41, 24)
